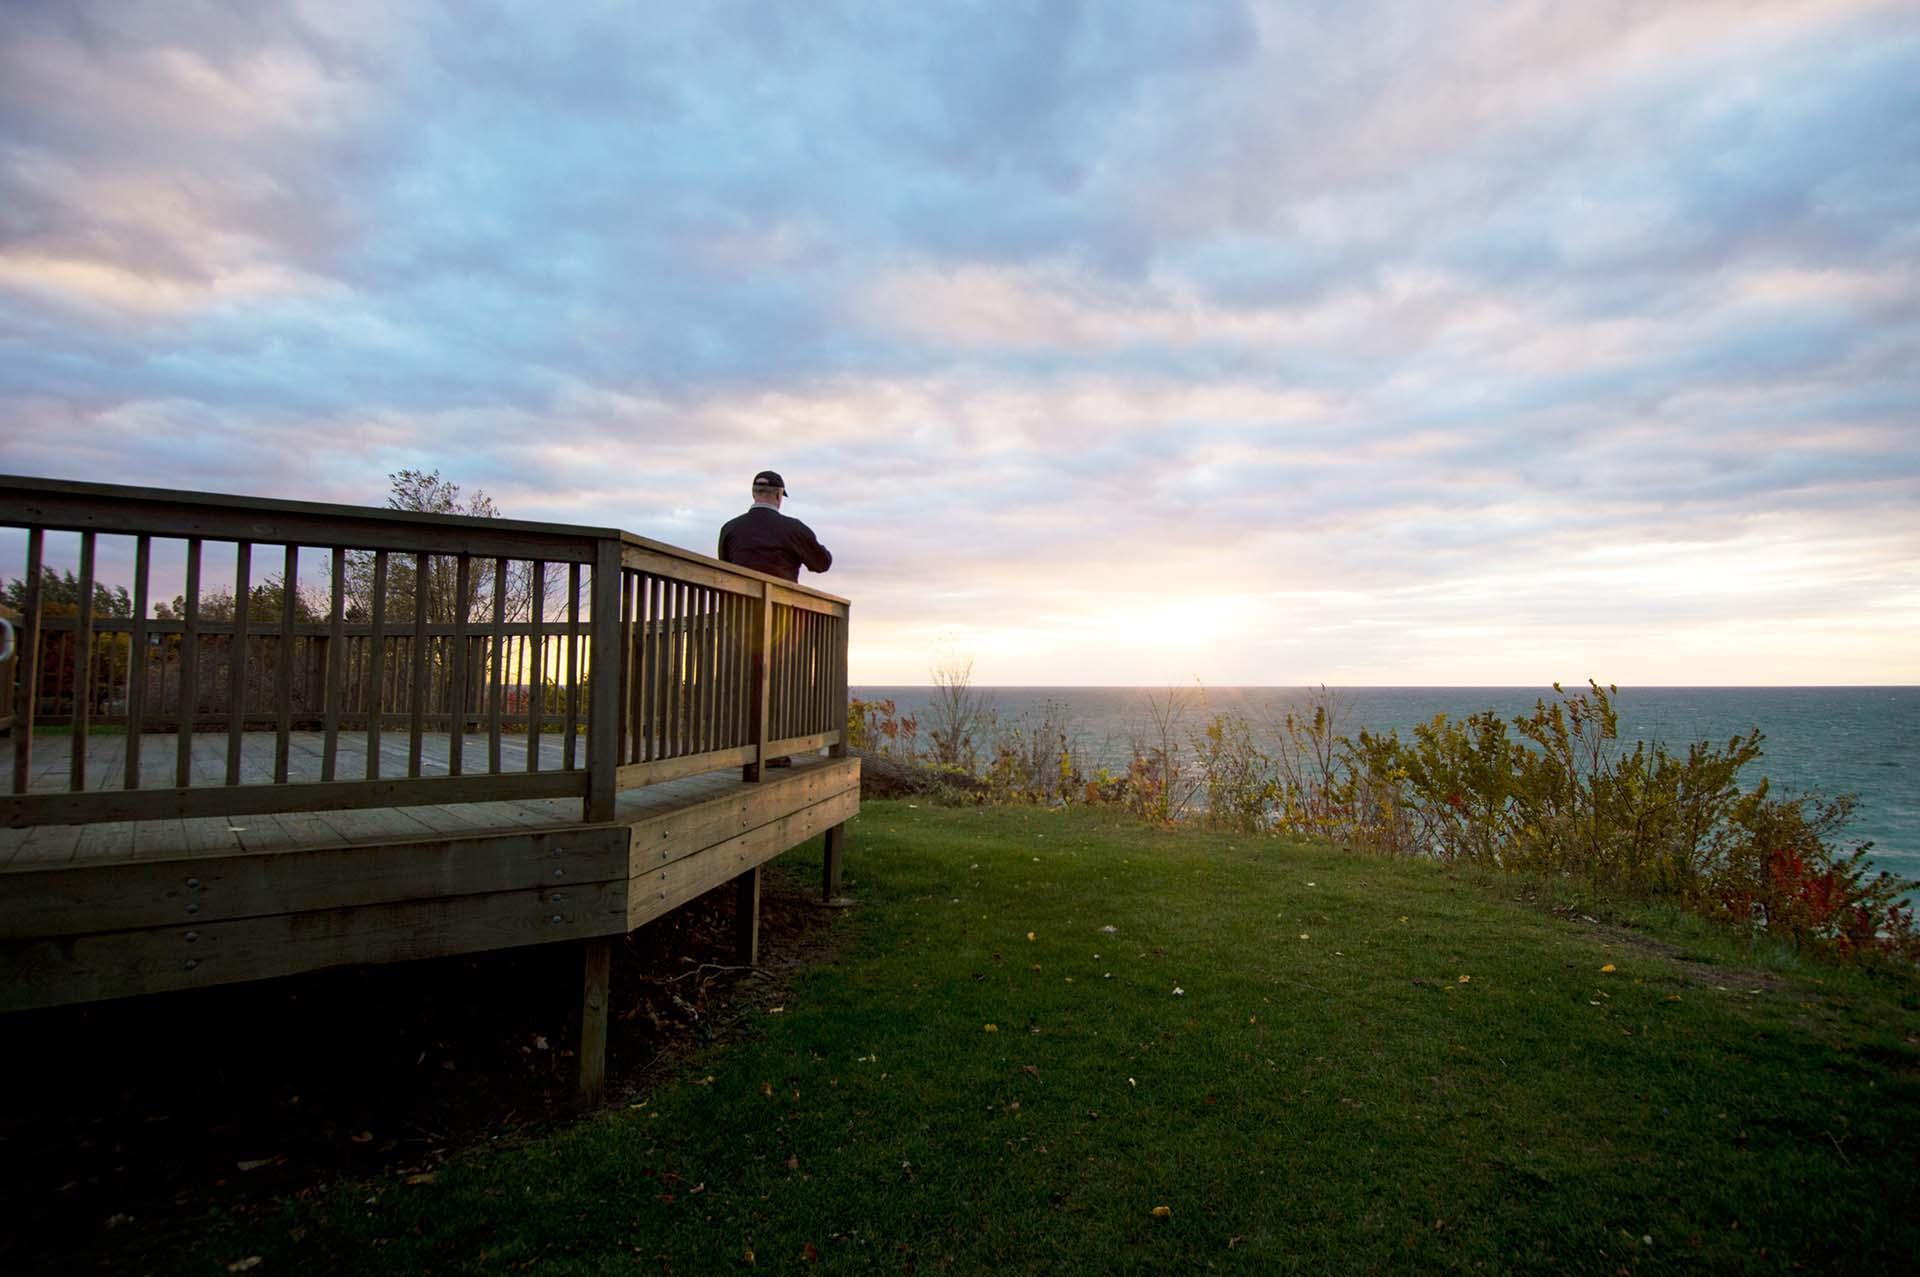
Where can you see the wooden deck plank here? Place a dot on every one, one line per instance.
(47, 845)
(359, 825)
(11, 840)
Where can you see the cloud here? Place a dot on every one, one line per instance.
(1262, 342)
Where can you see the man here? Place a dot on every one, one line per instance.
(768, 541)
(774, 543)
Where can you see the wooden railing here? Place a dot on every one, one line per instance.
(422, 659)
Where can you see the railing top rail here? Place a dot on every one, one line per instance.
(106, 507)
(24, 490)
(732, 569)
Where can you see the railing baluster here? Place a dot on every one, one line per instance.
(336, 667)
(417, 706)
(698, 671)
(537, 654)
(723, 669)
(137, 659)
(237, 657)
(759, 682)
(825, 692)
(283, 676)
(457, 685)
(710, 656)
(839, 658)
(744, 611)
(498, 671)
(650, 665)
(82, 670)
(568, 750)
(679, 666)
(189, 667)
(630, 629)
(376, 663)
(27, 666)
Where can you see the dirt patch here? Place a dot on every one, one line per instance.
(137, 1118)
(1693, 969)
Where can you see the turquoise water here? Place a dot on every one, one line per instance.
(1824, 740)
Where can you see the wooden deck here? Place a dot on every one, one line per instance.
(229, 855)
(111, 910)
(106, 772)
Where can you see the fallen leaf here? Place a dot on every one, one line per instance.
(746, 1256)
(1179, 992)
(364, 1137)
(793, 1161)
(424, 1177)
(992, 1028)
(1163, 1212)
(246, 1265)
(1305, 936)
(254, 1164)
(810, 1253)
(1465, 979)
(1607, 970)
(766, 1089)
(1032, 936)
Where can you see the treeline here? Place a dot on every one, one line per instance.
(1553, 791)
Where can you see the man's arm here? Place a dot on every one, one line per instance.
(811, 552)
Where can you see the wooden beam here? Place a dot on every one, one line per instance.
(593, 1020)
(691, 876)
(832, 862)
(128, 895)
(746, 918)
(210, 516)
(55, 972)
(603, 675)
(659, 840)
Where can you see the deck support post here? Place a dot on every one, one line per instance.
(603, 680)
(593, 1021)
(746, 918)
(831, 863)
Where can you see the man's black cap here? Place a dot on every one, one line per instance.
(771, 479)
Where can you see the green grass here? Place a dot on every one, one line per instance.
(1328, 1094)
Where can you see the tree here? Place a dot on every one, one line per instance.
(60, 595)
(264, 602)
(425, 492)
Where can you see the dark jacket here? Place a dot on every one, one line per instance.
(774, 543)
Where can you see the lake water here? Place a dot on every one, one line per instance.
(1826, 740)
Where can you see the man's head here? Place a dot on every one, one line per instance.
(769, 488)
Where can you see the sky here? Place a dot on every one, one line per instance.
(1348, 343)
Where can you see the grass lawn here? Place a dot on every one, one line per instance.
(1042, 1026)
